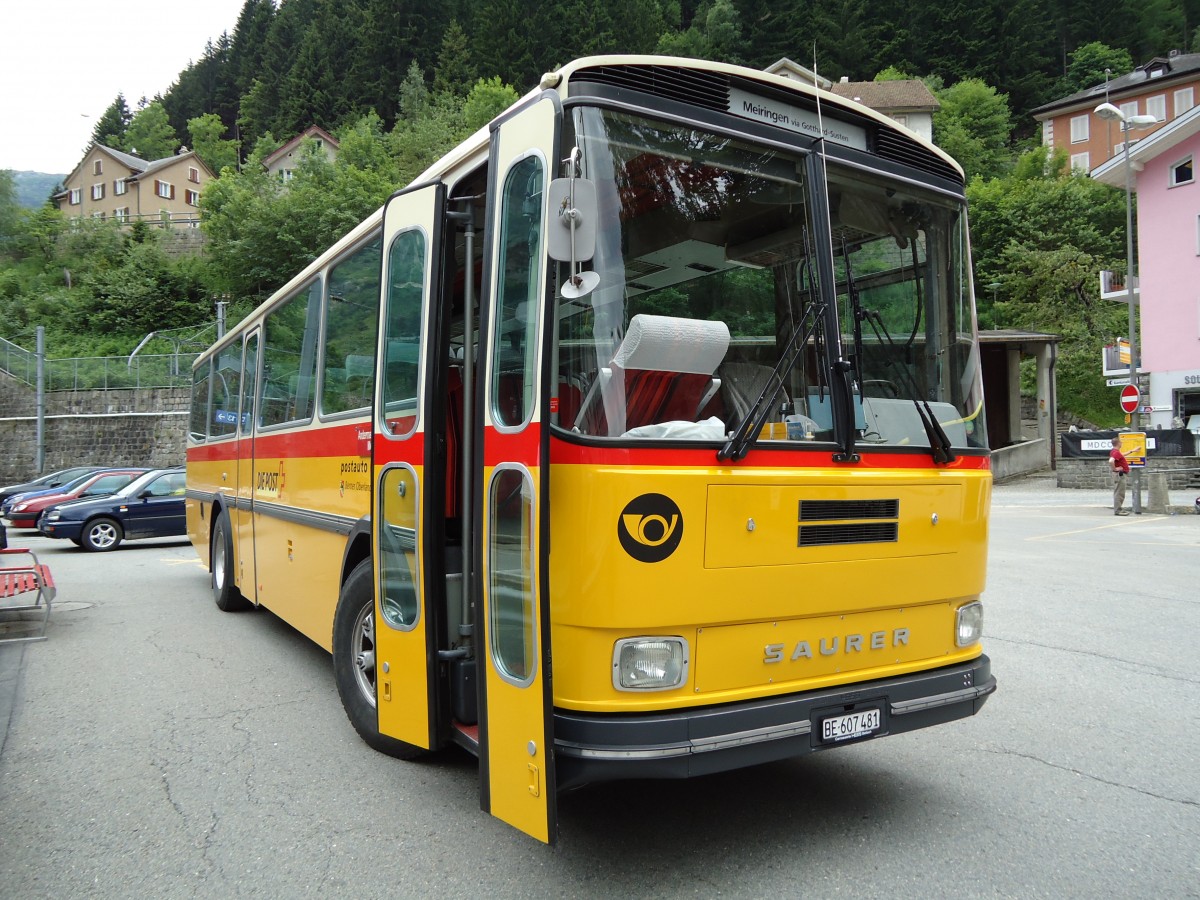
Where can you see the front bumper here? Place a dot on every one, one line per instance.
(691, 742)
(65, 530)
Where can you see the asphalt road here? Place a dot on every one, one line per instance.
(155, 747)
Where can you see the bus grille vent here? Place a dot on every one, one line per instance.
(856, 533)
(826, 522)
(902, 149)
(824, 510)
(706, 89)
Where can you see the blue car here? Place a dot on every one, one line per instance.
(151, 506)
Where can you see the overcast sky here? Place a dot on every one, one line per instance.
(62, 62)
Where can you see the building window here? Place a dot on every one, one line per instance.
(285, 174)
(1183, 101)
(1081, 162)
(1079, 129)
(193, 198)
(194, 175)
(75, 196)
(1157, 107)
(98, 167)
(1129, 109)
(98, 191)
(98, 214)
(121, 214)
(120, 187)
(164, 189)
(164, 217)
(1181, 172)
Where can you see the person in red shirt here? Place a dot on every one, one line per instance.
(1119, 466)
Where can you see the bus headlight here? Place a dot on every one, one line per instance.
(649, 663)
(968, 624)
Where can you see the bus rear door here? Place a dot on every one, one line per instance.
(404, 544)
(517, 781)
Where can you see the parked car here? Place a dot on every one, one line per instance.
(22, 510)
(51, 480)
(151, 506)
(6, 505)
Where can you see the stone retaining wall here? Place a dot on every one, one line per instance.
(1183, 472)
(122, 428)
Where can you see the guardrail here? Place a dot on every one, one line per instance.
(99, 373)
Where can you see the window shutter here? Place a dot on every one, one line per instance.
(172, 192)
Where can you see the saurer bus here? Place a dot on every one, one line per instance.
(642, 436)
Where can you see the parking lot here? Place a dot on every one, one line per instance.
(154, 746)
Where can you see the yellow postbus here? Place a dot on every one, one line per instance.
(641, 437)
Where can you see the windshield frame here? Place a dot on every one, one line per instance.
(845, 161)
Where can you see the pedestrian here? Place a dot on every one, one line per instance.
(1119, 466)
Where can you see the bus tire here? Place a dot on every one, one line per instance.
(228, 598)
(354, 661)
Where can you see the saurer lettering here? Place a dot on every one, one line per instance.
(835, 644)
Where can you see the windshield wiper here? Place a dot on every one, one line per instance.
(743, 437)
(939, 441)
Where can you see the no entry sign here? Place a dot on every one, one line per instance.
(1129, 398)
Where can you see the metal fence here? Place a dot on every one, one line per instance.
(99, 373)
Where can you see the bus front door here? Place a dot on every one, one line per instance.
(403, 451)
(243, 508)
(517, 781)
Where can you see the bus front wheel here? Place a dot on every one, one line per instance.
(225, 592)
(354, 661)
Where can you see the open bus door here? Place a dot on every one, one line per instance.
(517, 782)
(405, 651)
(243, 509)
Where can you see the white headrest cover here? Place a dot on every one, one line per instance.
(670, 344)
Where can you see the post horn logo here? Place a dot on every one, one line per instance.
(650, 527)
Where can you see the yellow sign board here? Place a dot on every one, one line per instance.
(1133, 447)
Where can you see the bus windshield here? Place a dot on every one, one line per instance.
(706, 257)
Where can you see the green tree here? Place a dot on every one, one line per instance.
(217, 153)
(112, 124)
(715, 33)
(10, 210)
(487, 99)
(454, 73)
(150, 136)
(1043, 233)
(974, 126)
(1088, 65)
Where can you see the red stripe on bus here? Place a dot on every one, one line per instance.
(563, 452)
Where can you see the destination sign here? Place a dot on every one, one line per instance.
(793, 118)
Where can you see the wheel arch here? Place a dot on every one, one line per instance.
(358, 547)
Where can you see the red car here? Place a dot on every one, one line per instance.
(24, 512)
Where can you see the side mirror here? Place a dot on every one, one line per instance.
(573, 202)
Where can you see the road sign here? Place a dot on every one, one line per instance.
(1129, 398)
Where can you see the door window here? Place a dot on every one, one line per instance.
(510, 575)
(403, 331)
(514, 336)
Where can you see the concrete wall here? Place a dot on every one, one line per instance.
(1020, 459)
(127, 427)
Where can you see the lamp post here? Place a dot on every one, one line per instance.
(1112, 114)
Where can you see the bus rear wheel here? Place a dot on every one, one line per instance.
(354, 661)
(228, 598)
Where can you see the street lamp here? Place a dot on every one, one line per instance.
(1112, 114)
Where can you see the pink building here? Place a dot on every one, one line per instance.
(1168, 251)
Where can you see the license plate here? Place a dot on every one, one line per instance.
(850, 725)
